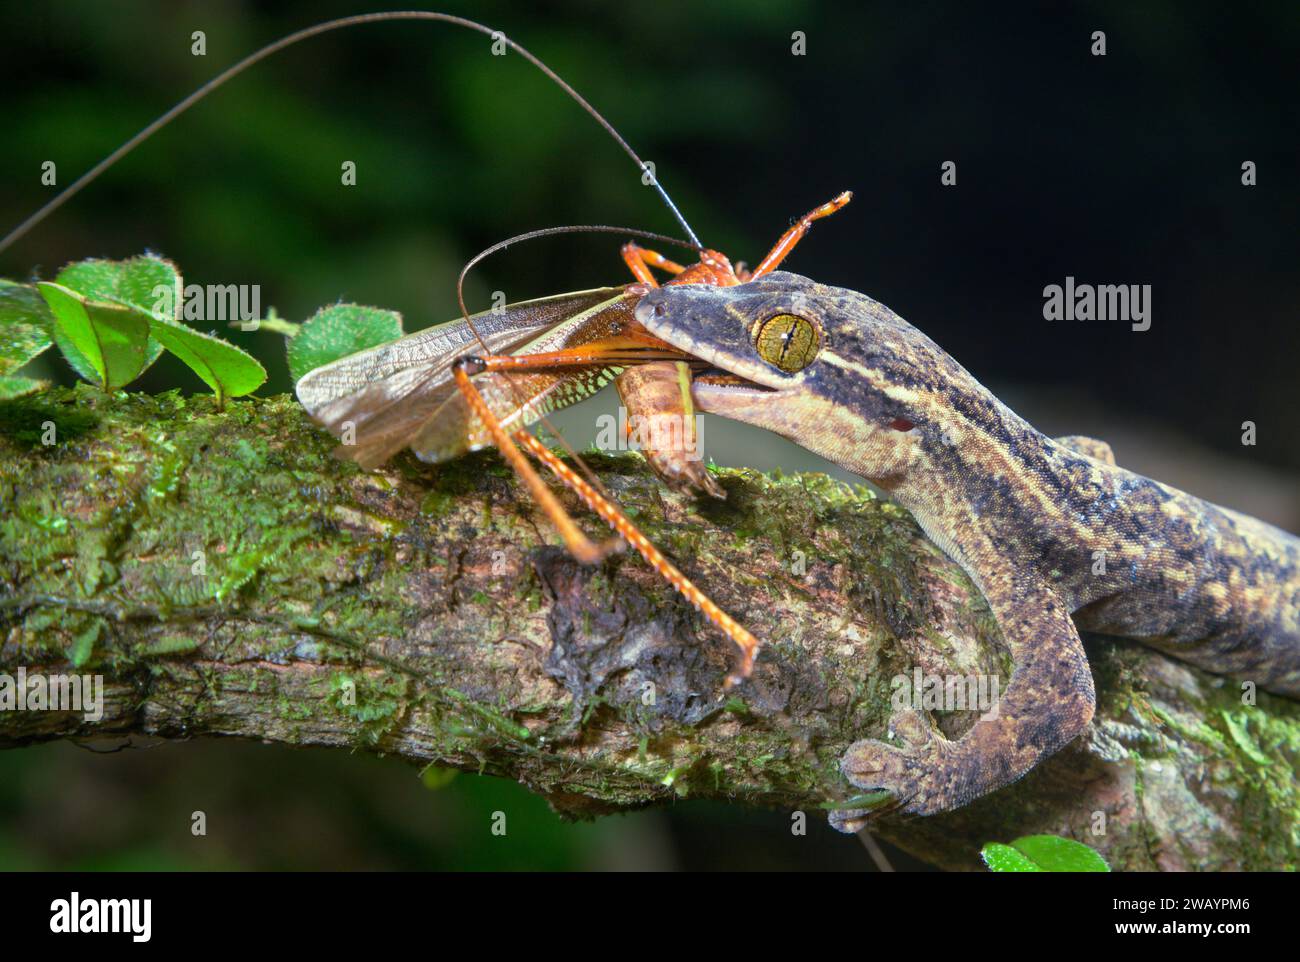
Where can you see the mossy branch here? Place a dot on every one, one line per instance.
(227, 576)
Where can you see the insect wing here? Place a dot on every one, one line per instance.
(437, 347)
(381, 398)
(520, 398)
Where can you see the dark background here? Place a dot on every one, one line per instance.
(1123, 169)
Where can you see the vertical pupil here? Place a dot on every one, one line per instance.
(787, 342)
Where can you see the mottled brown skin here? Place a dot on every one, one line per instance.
(1023, 515)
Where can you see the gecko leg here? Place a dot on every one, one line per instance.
(1047, 703)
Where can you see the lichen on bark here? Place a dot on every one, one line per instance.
(228, 576)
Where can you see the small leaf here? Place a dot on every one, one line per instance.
(1043, 853)
(229, 371)
(93, 278)
(148, 282)
(1004, 858)
(340, 330)
(152, 284)
(108, 339)
(25, 321)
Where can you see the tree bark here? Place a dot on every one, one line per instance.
(227, 576)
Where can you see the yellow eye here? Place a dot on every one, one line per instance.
(787, 342)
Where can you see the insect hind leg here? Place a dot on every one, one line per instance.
(582, 548)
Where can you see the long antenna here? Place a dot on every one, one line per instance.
(551, 232)
(75, 187)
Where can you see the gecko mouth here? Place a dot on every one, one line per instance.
(715, 386)
(715, 377)
(718, 392)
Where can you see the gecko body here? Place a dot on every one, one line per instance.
(1055, 535)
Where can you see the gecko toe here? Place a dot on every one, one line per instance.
(902, 771)
(876, 766)
(911, 727)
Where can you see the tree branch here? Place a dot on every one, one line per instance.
(227, 576)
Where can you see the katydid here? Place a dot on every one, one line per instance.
(483, 379)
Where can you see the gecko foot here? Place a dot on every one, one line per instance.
(915, 775)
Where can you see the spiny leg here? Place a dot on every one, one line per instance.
(578, 544)
(616, 519)
(795, 234)
(659, 394)
(661, 412)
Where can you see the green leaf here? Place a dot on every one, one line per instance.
(148, 282)
(337, 331)
(105, 343)
(1042, 853)
(1004, 858)
(229, 371)
(152, 286)
(25, 322)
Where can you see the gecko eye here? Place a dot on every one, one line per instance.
(787, 342)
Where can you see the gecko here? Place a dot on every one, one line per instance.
(1023, 514)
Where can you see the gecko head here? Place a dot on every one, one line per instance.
(828, 368)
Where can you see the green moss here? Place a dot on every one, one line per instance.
(373, 703)
(306, 559)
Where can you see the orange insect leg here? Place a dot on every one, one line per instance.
(579, 545)
(640, 259)
(796, 233)
(616, 519)
(582, 548)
